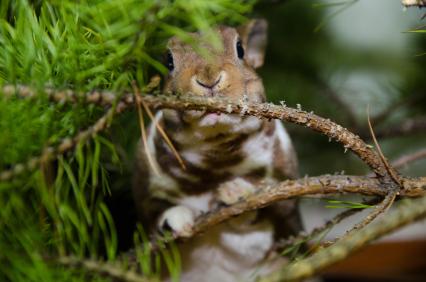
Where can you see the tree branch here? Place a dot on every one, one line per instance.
(379, 209)
(321, 185)
(406, 127)
(406, 159)
(270, 111)
(66, 144)
(217, 104)
(303, 237)
(413, 3)
(407, 212)
(101, 98)
(113, 271)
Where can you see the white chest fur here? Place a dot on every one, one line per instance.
(228, 254)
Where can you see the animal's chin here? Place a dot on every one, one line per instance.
(206, 119)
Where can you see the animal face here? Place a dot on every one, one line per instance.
(227, 71)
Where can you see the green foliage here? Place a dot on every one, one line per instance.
(338, 204)
(70, 206)
(342, 6)
(61, 208)
(303, 247)
(98, 44)
(28, 125)
(94, 44)
(307, 66)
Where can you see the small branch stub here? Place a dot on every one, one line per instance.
(414, 3)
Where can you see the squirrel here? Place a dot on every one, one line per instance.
(226, 156)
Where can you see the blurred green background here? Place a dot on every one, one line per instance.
(361, 53)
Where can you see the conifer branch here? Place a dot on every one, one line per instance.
(304, 237)
(101, 98)
(394, 184)
(64, 146)
(320, 185)
(406, 213)
(332, 130)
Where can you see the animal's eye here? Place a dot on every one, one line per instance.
(169, 61)
(240, 49)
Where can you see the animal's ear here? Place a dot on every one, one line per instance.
(254, 37)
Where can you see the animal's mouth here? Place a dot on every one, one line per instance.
(209, 119)
(208, 124)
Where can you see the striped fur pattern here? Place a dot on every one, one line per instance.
(217, 152)
(225, 156)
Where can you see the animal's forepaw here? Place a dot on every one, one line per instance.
(179, 220)
(232, 191)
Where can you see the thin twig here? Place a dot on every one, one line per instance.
(379, 209)
(394, 191)
(407, 212)
(144, 136)
(164, 135)
(113, 271)
(343, 106)
(407, 127)
(413, 3)
(303, 237)
(391, 171)
(406, 159)
(394, 108)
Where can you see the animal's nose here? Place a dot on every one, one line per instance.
(209, 84)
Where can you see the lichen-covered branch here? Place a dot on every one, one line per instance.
(102, 98)
(321, 185)
(64, 146)
(407, 212)
(332, 130)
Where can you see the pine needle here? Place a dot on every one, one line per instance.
(385, 162)
(153, 83)
(142, 128)
(381, 208)
(164, 135)
(390, 198)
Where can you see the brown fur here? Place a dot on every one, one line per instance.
(218, 150)
(240, 79)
